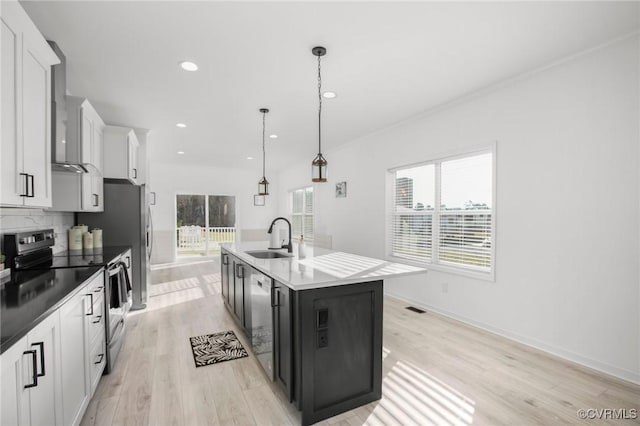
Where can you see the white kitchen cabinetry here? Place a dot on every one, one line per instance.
(83, 343)
(84, 144)
(96, 339)
(13, 396)
(25, 147)
(121, 154)
(31, 382)
(49, 376)
(73, 337)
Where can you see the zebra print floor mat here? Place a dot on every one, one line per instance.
(218, 347)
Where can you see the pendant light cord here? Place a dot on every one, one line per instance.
(319, 108)
(263, 150)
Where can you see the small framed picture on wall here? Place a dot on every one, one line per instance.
(341, 190)
(258, 200)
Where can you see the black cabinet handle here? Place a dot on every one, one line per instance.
(96, 200)
(225, 259)
(90, 297)
(98, 290)
(33, 192)
(274, 297)
(238, 269)
(34, 360)
(26, 185)
(41, 345)
(128, 262)
(97, 320)
(135, 173)
(101, 356)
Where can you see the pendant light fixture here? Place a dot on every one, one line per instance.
(319, 164)
(263, 185)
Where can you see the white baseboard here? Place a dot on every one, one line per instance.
(602, 367)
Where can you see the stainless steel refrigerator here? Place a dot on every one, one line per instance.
(126, 221)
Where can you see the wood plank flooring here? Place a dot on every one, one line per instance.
(436, 371)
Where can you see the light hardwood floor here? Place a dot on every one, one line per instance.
(436, 371)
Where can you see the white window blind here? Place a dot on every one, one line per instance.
(412, 215)
(442, 212)
(302, 213)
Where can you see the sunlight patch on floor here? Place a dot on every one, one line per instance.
(161, 266)
(173, 286)
(412, 396)
(211, 278)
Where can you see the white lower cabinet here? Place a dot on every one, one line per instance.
(49, 376)
(73, 336)
(31, 385)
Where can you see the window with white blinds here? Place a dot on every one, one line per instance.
(442, 212)
(302, 213)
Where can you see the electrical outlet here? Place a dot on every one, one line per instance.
(445, 287)
(323, 338)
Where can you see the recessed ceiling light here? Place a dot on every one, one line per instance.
(78, 171)
(273, 136)
(188, 66)
(63, 141)
(66, 165)
(249, 158)
(181, 125)
(180, 152)
(329, 95)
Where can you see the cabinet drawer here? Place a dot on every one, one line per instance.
(97, 321)
(98, 360)
(97, 284)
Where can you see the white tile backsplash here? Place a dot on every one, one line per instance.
(19, 220)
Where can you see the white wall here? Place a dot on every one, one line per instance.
(168, 180)
(567, 206)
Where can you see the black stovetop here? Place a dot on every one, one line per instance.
(81, 258)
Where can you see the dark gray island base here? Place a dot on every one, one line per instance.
(337, 349)
(327, 342)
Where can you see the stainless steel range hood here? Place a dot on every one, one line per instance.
(59, 161)
(74, 168)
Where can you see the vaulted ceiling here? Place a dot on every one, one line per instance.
(387, 61)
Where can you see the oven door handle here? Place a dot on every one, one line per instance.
(115, 269)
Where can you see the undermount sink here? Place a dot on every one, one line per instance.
(268, 254)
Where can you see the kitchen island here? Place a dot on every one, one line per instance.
(315, 323)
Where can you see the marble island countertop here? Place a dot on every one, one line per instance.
(320, 268)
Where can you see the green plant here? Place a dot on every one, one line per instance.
(2, 258)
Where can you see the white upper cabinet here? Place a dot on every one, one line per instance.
(84, 144)
(121, 154)
(25, 148)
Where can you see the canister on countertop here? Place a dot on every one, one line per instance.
(75, 239)
(87, 241)
(83, 228)
(97, 238)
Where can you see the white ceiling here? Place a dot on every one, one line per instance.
(387, 61)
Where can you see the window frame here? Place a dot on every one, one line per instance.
(433, 263)
(304, 213)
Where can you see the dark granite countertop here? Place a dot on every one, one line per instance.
(96, 257)
(28, 297)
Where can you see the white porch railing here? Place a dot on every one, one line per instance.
(195, 238)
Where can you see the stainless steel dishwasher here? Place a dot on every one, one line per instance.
(262, 320)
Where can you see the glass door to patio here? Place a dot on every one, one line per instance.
(203, 222)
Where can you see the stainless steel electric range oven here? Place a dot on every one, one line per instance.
(32, 251)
